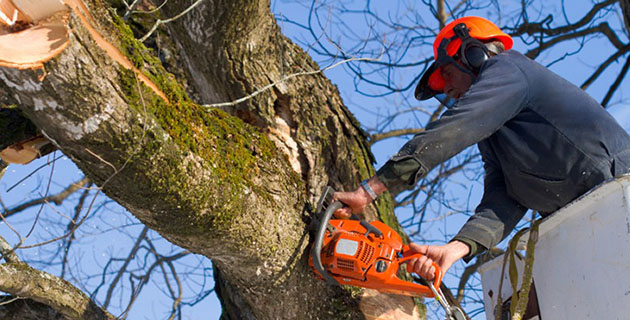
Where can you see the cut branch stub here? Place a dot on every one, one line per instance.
(25, 151)
(32, 32)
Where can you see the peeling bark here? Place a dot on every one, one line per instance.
(232, 185)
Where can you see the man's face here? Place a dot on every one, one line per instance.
(456, 81)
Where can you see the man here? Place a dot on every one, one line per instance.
(543, 141)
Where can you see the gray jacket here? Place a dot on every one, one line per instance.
(543, 141)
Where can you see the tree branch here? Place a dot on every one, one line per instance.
(602, 28)
(8, 254)
(533, 28)
(19, 279)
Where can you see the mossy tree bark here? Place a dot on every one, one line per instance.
(230, 183)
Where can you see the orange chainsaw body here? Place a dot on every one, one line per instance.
(353, 256)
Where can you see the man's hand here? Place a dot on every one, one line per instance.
(357, 200)
(444, 256)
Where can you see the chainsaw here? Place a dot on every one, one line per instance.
(367, 254)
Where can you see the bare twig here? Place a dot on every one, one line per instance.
(394, 133)
(285, 79)
(160, 21)
(71, 227)
(34, 171)
(604, 65)
(130, 9)
(123, 268)
(57, 198)
(144, 279)
(177, 299)
(10, 301)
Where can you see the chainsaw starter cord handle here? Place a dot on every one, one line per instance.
(319, 239)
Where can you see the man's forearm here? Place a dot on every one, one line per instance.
(458, 248)
(377, 185)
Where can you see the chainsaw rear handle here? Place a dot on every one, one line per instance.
(437, 278)
(319, 239)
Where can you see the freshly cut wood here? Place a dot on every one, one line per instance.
(30, 48)
(38, 9)
(8, 13)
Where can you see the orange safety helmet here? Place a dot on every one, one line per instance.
(448, 44)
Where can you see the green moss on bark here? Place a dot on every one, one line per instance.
(231, 148)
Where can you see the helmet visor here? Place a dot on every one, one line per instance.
(424, 89)
(432, 82)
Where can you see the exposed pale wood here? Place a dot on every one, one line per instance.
(8, 9)
(38, 9)
(30, 48)
(378, 306)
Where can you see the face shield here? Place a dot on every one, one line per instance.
(445, 100)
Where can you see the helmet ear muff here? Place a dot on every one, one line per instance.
(474, 55)
(472, 52)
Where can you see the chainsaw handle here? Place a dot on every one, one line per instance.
(319, 239)
(437, 279)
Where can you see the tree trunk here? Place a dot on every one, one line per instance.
(231, 184)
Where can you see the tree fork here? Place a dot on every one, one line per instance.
(226, 189)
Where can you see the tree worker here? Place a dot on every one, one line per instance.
(543, 141)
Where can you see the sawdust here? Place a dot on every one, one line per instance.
(381, 306)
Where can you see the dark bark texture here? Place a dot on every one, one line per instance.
(26, 309)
